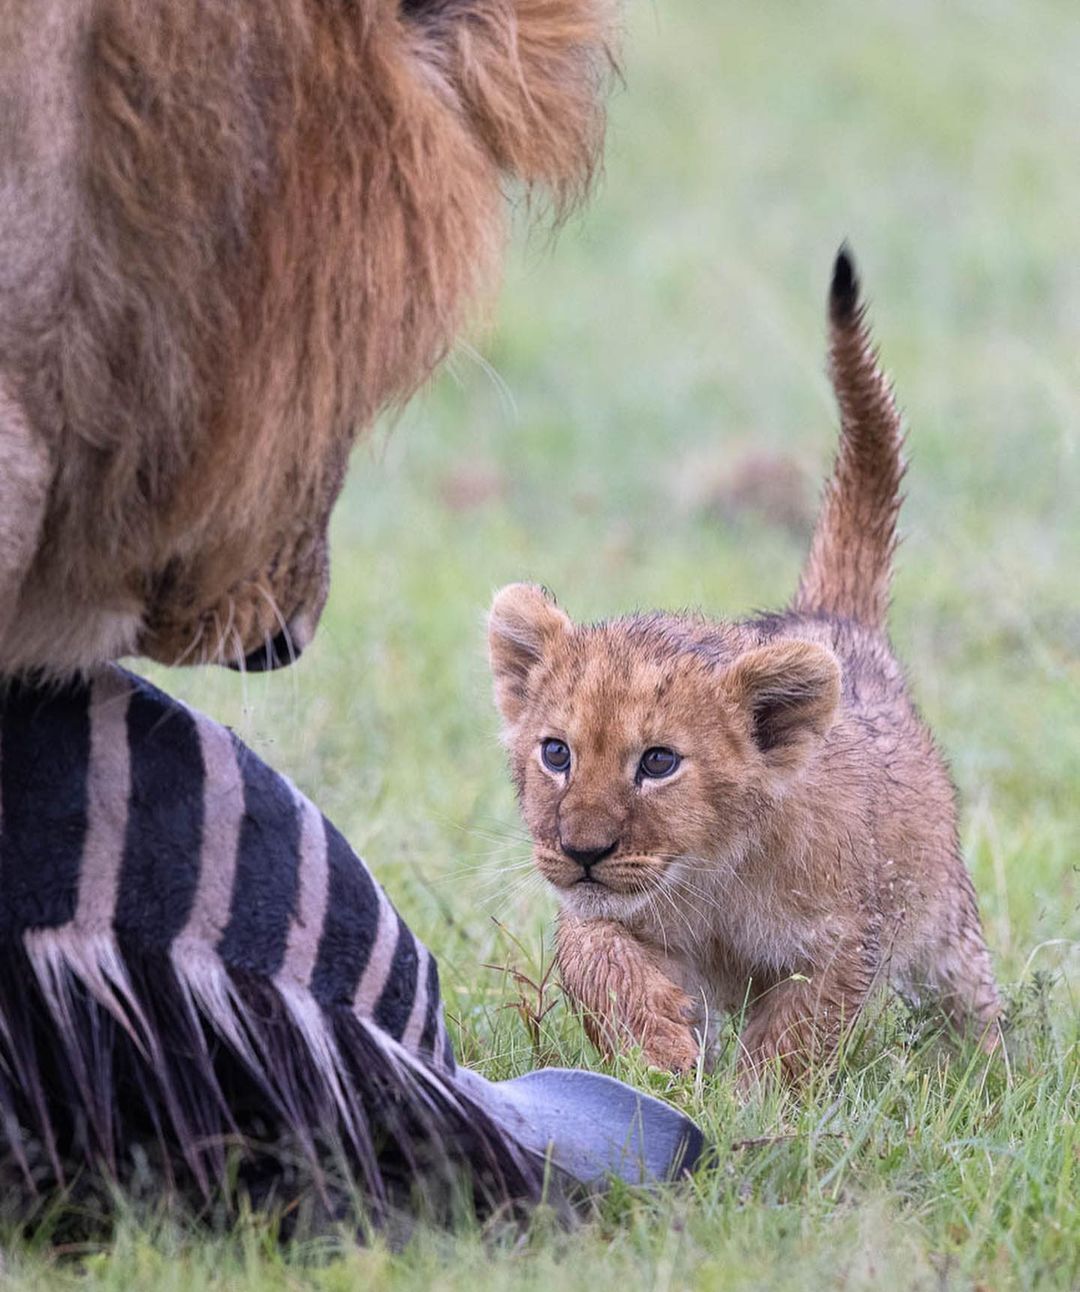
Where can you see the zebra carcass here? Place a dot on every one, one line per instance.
(196, 971)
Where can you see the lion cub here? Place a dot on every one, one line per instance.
(749, 814)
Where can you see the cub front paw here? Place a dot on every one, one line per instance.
(668, 1039)
(672, 1046)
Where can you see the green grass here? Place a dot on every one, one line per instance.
(671, 330)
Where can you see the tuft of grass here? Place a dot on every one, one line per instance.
(674, 329)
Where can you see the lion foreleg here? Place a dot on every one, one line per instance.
(624, 994)
(25, 475)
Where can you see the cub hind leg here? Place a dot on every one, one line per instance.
(953, 967)
(799, 1020)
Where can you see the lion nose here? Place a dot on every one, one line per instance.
(284, 649)
(275, 652)
(586, 858)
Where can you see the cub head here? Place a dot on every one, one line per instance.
(646, 746)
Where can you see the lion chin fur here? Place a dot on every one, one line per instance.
(231, 233)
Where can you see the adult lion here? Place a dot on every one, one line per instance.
(231, 231)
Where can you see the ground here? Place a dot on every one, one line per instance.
(645, 423)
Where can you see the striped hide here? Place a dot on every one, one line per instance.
(195, 966)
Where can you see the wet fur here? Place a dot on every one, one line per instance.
(805, 851)
(231, 232)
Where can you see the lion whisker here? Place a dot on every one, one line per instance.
(191, 647)
(525, 884)
(688, 896)
(707, 866)
(226, 631)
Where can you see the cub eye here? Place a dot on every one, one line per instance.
(555, 754)
(658, 762)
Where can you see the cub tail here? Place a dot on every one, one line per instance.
(849, 567)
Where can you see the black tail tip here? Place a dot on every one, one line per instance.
(844, 293)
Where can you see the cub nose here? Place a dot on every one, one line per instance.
(586, 858)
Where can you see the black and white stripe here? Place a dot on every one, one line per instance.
(126, 815)
(191, 955)
(138, 837)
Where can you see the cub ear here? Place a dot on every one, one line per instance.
(523, 624)
(790, 692)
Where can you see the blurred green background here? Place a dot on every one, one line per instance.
(646, 422)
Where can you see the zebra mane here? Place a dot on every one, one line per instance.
(196, 970)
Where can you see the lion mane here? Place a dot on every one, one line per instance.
(231, 232)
